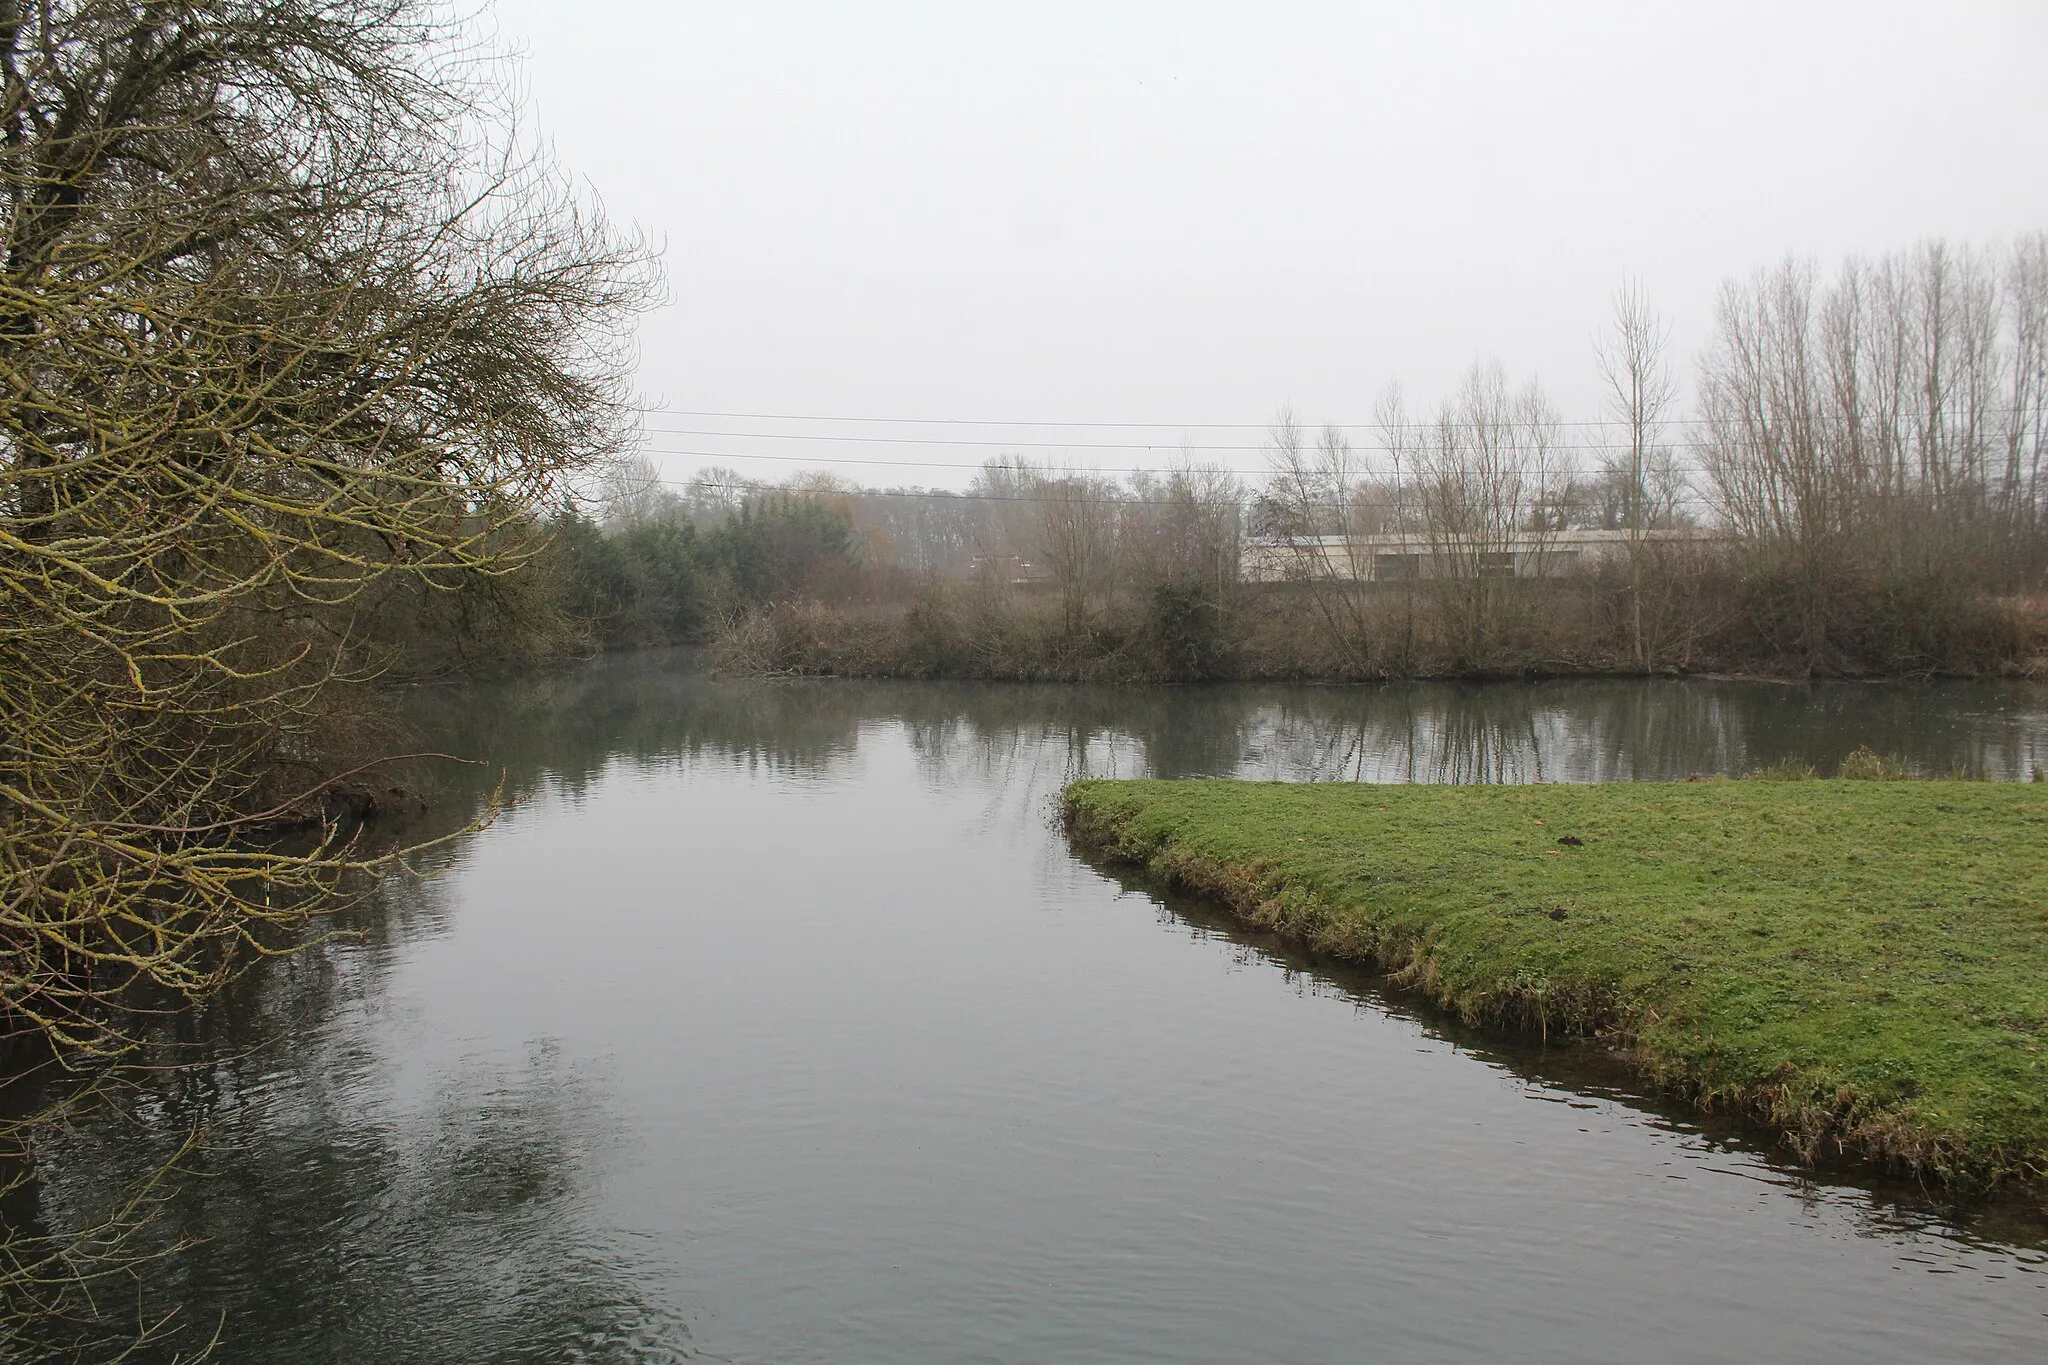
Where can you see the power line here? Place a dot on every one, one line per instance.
(1101, 426)
(1419, 425)
(977, 468)
(977, 442)
(943, 441)
(926, 493)
(960, 421)
(939, 493)
(898, 464)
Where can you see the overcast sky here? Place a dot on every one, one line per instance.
(1188, 214)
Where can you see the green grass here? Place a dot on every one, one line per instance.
(1861, 965)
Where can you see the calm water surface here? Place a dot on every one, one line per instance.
(776, 1023)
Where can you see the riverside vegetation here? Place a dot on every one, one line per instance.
(1859, 491)
(301, 352)
(1860, 965)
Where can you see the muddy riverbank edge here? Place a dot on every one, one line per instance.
(1862, 967)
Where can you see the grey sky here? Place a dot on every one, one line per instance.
(1183, 213)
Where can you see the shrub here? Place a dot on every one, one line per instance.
(1186, 626)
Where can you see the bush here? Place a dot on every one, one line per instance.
(1187, 633)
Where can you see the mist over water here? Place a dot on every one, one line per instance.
(778, 1023)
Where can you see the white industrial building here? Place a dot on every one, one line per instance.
(1395, 557)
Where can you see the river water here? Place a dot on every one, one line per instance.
(777, 1023)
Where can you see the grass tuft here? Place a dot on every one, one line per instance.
(1867, 765)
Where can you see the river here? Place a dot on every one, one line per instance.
(776, 1022)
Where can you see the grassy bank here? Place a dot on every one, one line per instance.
(1863, 966)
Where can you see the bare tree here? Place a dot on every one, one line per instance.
(1183, 529)
(1075, 526)
(290, 333)
(633, 493)
(284, 319)
(1641, 391)
(2025, 394)
(1308, 515)
(1883, 429)
(1762, 398)
(1178, 554)
(1481, 471)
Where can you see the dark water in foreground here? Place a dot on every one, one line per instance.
(776, 1023)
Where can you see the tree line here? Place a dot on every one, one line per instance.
(1858, 490)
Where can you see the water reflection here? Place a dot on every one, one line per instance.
(324, 1198)
(1017, 744)
(771, 1022)
(564, 729)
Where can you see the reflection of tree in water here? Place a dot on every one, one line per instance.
(987, 731)
(655, 707)
(351, 1226)
(346, 1222)
(1540, 732)
(1623, 730)
(565, 727)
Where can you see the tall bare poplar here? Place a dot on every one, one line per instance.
(1640, 392)
(1875, 443)
(2025, 395)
